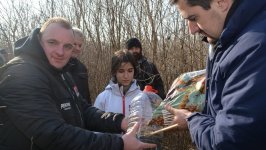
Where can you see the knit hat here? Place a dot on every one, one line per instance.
(133, 42)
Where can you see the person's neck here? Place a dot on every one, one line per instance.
(125, 88)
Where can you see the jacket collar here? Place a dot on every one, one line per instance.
(142, 59)
(240, 14)
(114, 87)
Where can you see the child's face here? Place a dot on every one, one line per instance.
(125, 74)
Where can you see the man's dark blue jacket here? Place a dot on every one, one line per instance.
(236, 97)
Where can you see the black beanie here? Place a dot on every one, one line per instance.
(133, 42)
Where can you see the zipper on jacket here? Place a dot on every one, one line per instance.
(31, 143)
(209, 70)
(124, 98)
(80, 115)
(72, 94)
(124, 105)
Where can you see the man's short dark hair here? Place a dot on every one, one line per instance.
(205, 4)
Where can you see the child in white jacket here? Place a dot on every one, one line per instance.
(122, 88)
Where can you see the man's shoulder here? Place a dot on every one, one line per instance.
(81, 64)
(22, 70)
(145, 60)
(21, 64)
(75, 63)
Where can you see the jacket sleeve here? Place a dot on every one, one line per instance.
(32, 110)
(102, 121)
(240, 121)
(99, 102)
(158, 82)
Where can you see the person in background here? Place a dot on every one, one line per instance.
(235, 111)
(41, 107)
(122, 88)
(77, 69)
(147, 73)
(3, 56)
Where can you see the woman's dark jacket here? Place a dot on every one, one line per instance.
(44, 110)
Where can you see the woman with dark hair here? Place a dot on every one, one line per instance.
(122, 88)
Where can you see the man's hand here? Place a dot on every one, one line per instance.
(132, 143)
(180, 116)
(124, 124)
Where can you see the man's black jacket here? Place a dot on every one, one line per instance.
(80, 75)
(148, 74)
(44, 110)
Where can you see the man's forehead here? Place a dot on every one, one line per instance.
(79, 39)
(57, 32)
(55, 28)
(183, 9)
(135, 47)
(186, 11)
(58, 39)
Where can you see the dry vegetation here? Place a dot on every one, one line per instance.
(107, 24)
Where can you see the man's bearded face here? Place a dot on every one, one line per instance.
(136, 51)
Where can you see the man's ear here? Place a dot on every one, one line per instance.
(224, 5)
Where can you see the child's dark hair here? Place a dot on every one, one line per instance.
(122, 56)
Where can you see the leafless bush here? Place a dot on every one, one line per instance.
(107, 25)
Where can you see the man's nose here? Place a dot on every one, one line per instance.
(133, 50)
(60, 50)
(193, 27)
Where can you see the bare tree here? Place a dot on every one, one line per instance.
(107, 24)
